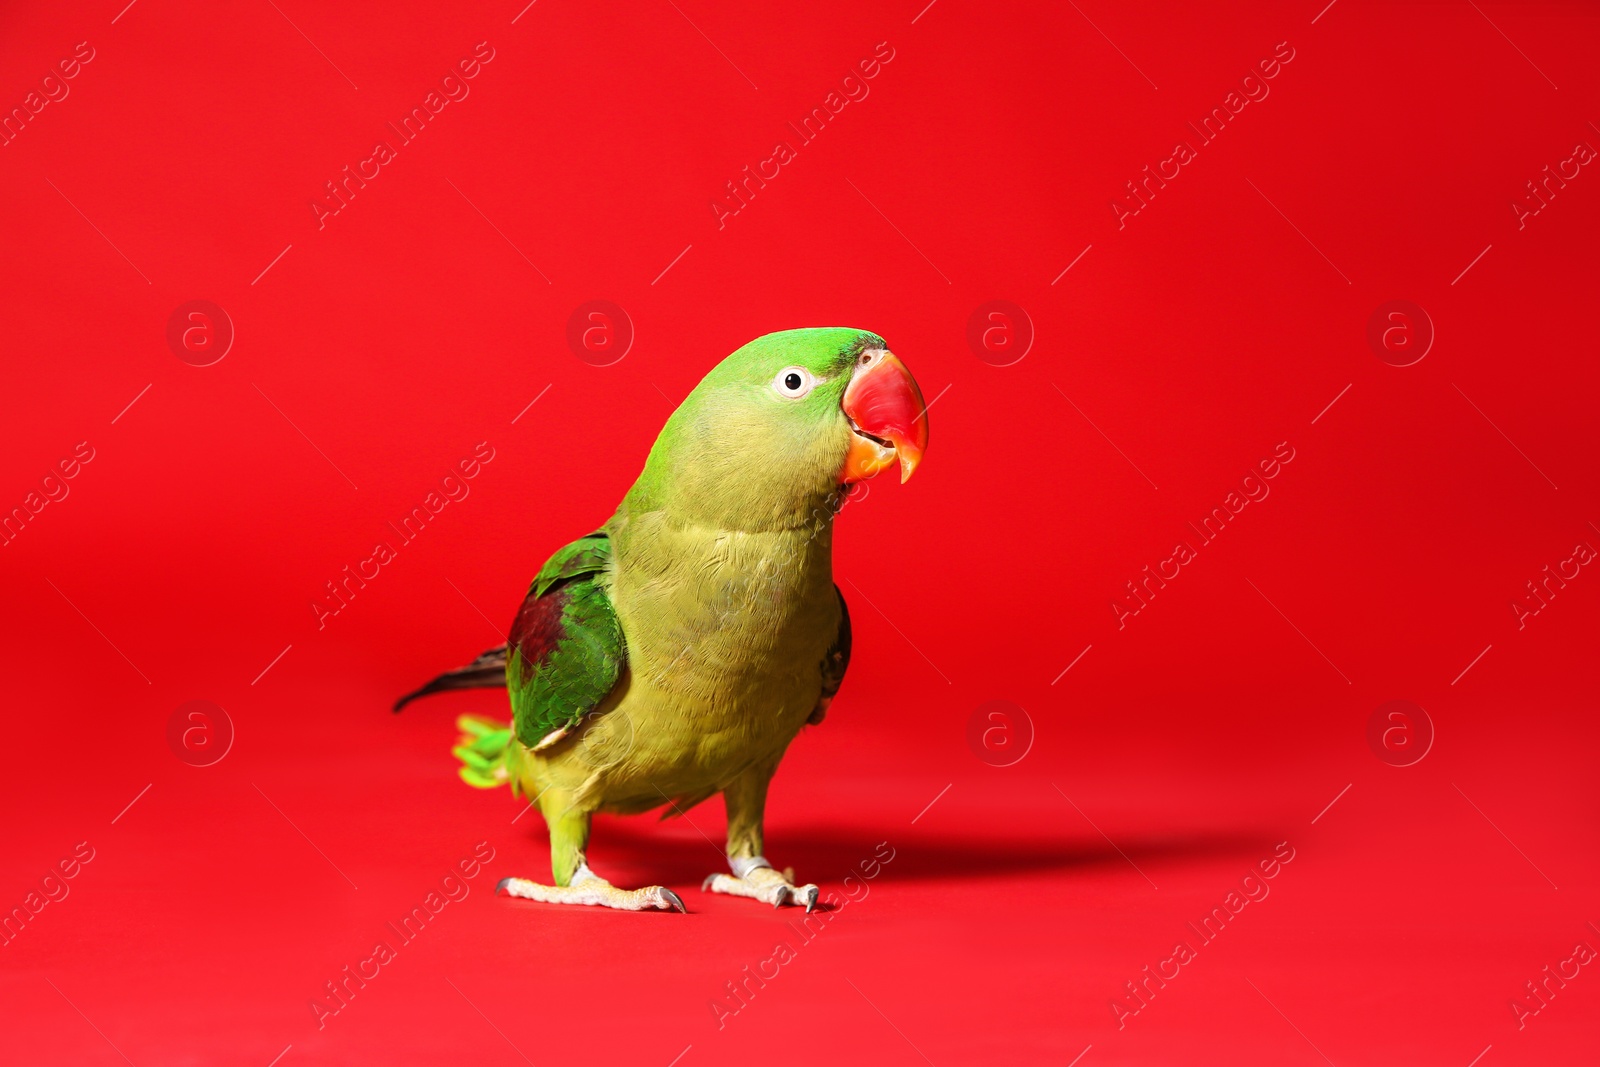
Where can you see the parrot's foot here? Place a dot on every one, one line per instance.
(755, 878)
(589, 888)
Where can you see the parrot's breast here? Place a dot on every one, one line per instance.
(726, 632)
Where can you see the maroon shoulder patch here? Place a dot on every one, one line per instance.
(539, 627)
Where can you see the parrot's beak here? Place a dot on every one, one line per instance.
(888, 419)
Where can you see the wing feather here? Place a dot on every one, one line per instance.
(566, 649)
(834, 663)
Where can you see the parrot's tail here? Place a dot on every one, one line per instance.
(482, 751)
(486, 672)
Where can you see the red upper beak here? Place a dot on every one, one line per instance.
(887, 417)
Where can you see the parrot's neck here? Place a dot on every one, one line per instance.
(725, 469)
(723, 496)
(811, 522)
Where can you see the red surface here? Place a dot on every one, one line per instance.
(1219, 321)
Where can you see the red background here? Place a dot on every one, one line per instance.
(1221, 720)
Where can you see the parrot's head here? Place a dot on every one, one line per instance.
(786, 420)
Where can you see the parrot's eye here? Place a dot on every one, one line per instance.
(794, 382)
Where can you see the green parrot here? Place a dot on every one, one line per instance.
(676, 652)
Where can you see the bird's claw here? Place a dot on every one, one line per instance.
(594, 891)
(765, 884)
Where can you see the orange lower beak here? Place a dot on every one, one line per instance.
(887, 417)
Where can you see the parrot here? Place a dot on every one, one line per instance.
(674, 653)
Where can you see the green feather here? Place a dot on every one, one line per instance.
(481, 751)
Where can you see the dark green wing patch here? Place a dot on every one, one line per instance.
(834, 663)
(566, 650)
(586, 555)
(837, 660)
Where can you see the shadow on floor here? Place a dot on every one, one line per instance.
(822, 854)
